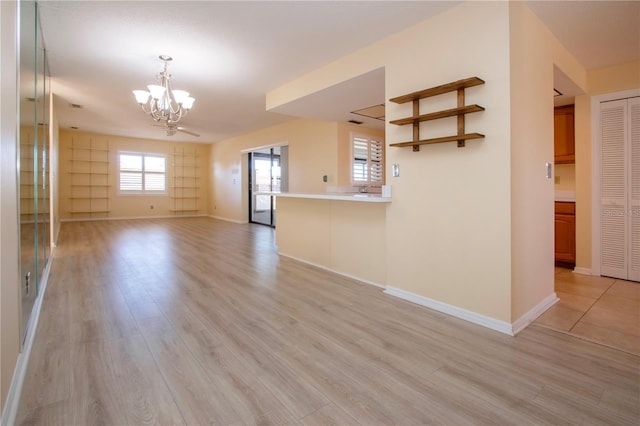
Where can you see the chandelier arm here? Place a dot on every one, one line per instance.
(165, 108)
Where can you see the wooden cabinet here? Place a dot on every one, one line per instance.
(565, 232)
(564, 135)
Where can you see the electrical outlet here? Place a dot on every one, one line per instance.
(151, 206)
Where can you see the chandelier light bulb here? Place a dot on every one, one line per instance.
(180, 96)
(188, 103)
(156, 91)
(161, 102)
(142, 96)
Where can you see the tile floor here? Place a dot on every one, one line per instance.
(600, 309)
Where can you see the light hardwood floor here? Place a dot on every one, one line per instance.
(198, 321)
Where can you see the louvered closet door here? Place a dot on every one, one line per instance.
(620, 189)
(614, 243)
(634, 192)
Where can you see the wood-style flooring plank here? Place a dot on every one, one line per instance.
(199, 321)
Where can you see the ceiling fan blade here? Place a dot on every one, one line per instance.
(183, 130)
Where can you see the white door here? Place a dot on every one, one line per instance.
(634, 192)
(620, 189)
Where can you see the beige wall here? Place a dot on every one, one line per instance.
(129, 206)
(532, 193)
(451, 207)
(9, 249)
(600, 81)
(312, 154)
(565, 177)
(344, 236)
(469, 227)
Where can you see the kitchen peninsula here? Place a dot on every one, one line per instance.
(344, 233)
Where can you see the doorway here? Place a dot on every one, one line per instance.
(267, 175)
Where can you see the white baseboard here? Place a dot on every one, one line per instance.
(522, 322)
(583, 271)
(464, 314)
(15, 389)
(226, 219)
(362, 280)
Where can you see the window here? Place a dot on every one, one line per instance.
(143, 173)
(368, 161)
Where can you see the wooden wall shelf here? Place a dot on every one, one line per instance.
(459, 112)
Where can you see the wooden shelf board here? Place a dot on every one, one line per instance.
(88, 173)
(88, 198)
(81, 148)
(439, 114)
(88, 211)
(441, 140)
(438, 90)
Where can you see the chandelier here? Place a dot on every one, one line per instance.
(161, 102)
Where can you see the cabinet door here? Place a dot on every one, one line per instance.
(564, 135)
(565, 238)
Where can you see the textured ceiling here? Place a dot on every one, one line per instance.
(230, 54)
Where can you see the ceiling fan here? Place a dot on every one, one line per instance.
(173, 128)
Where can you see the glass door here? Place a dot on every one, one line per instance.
(265, 178)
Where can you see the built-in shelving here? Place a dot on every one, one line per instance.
(185, 188)
(89, 171)
(460, 111)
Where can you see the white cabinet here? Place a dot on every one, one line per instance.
(620, 188)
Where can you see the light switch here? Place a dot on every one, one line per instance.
(549, 170)
(395, 170)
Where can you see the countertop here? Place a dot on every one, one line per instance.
(566, 196)
(363, 198)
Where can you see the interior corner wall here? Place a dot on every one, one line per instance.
(9, 248)
(532, 192)
(448, 226)
(612, 79)
(130, 206)
(312, 154)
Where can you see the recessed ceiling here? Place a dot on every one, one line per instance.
(335, 103)
(229, 54)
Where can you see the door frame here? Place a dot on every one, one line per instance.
(245, 190)
(596, 160)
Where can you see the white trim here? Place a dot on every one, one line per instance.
(582, 271)
(596, 144)
(259, 148)
(521, 323)
(353, 277)
(15, 389)
(464, 314)
(226, 219)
